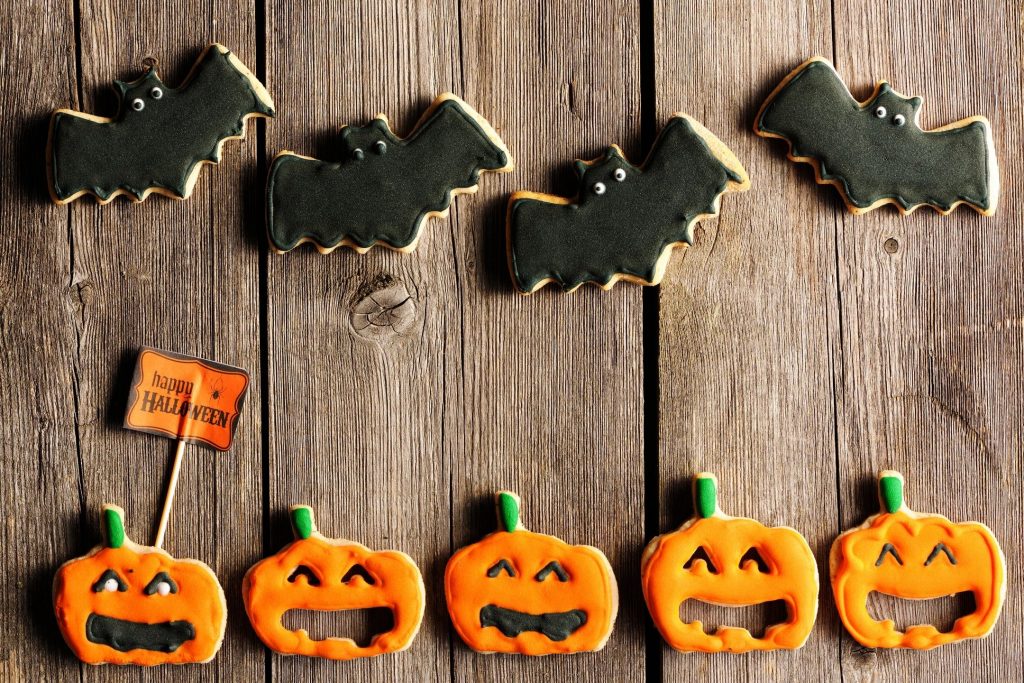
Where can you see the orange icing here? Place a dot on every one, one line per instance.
(397, 586)
(590, 587)
(792, 577)
(199, 601)
(979, 569)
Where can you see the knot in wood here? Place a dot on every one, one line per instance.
(383, 308)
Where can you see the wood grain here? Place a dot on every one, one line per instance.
(748, 316)
(552, 382)
(180, 275)
(800, 349)
(39, 322)
(931, 309)
(361, 419)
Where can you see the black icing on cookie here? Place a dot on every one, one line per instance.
(160, 136)
(874, 152)
(626, 219)
(383, 187)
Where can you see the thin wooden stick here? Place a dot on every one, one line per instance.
(169, 499)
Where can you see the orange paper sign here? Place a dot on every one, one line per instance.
(188, 398)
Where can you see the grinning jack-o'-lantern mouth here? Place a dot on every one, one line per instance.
(756, 618)
(360, 624)
(556, 626)
(938, 612)
(124, 636)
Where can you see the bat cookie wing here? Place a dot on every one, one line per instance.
(160, 137)
(384, 187)
(626, 219)
(875, 152)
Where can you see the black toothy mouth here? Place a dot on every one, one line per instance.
(123, 635)
(555, 625)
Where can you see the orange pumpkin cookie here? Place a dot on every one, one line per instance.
(916, 556)
(125, 603)
(521, 592)
(326, 574)
(714, 558)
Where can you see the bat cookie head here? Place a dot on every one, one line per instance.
(918, 557)
(626, 219)
(161, 135)
(125, 603)
(733, 561)
(520, 592)
(384, 187)
(874, 152)
(314, 573)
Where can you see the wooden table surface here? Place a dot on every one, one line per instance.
(794, 350)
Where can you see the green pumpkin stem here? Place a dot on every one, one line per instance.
(705, 495)
(303, 524)
(508, 510)
(890, 491)
(112, 520)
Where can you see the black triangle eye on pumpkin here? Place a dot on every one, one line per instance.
(500, 567)
(940, 549)
(753, 561)
(109, 581)
(888, 550)
(553, 567)
(700, 561)
(304, 573)
(162, 584)
(358, 571)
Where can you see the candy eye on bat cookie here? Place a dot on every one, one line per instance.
(618, 175)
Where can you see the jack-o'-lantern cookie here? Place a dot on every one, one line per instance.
(520, 592)
(325, 574)
(731, 561)
(915, 556)
(125, 603)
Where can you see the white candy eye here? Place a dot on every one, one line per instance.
(620, 174)
(899, 119)
(156, 93)
(380, 147)
(110, 585)
(880, 112)
(163, 588)
(598, 188)
(138, 104)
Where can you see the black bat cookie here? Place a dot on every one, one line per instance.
(875, 152)
(626, 219)
(160, 137)
(384, 187)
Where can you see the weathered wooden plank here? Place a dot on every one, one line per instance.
(361, 418)
(552, 382)
(749, 317)
(177, 275)
(931, 310)
(39, 307)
